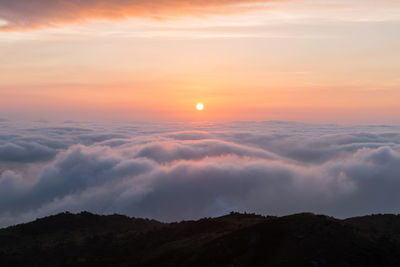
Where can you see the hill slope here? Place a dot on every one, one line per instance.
(237, 239)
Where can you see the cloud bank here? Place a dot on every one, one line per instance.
(25, 14)
(172, 172)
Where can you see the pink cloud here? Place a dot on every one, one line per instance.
(26, 15)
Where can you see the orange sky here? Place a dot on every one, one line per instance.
(282, 60)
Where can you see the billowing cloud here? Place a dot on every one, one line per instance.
(24, 14)
(162, 172)
(19, 150)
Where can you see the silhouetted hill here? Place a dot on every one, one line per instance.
(236, 239)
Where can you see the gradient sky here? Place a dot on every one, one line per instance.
(313, 61)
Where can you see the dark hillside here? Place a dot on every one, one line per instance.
(236, 239)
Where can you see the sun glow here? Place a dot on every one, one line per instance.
(199, 106)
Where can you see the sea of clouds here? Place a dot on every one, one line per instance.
(172, 172)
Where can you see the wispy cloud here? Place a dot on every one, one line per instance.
(24, 15)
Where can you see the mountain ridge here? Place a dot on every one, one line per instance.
(236, 239)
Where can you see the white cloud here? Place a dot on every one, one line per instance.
(162, 172)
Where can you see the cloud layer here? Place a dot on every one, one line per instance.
(23, 14)
(169, 172)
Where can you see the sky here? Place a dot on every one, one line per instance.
(130, 60)
(98, 107)
(175, 171)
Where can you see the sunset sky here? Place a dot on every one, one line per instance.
(179, 109)
(312, 61)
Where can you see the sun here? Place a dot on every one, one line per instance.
(200, 106)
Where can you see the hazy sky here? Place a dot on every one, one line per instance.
(315, 61)
(255, 62)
